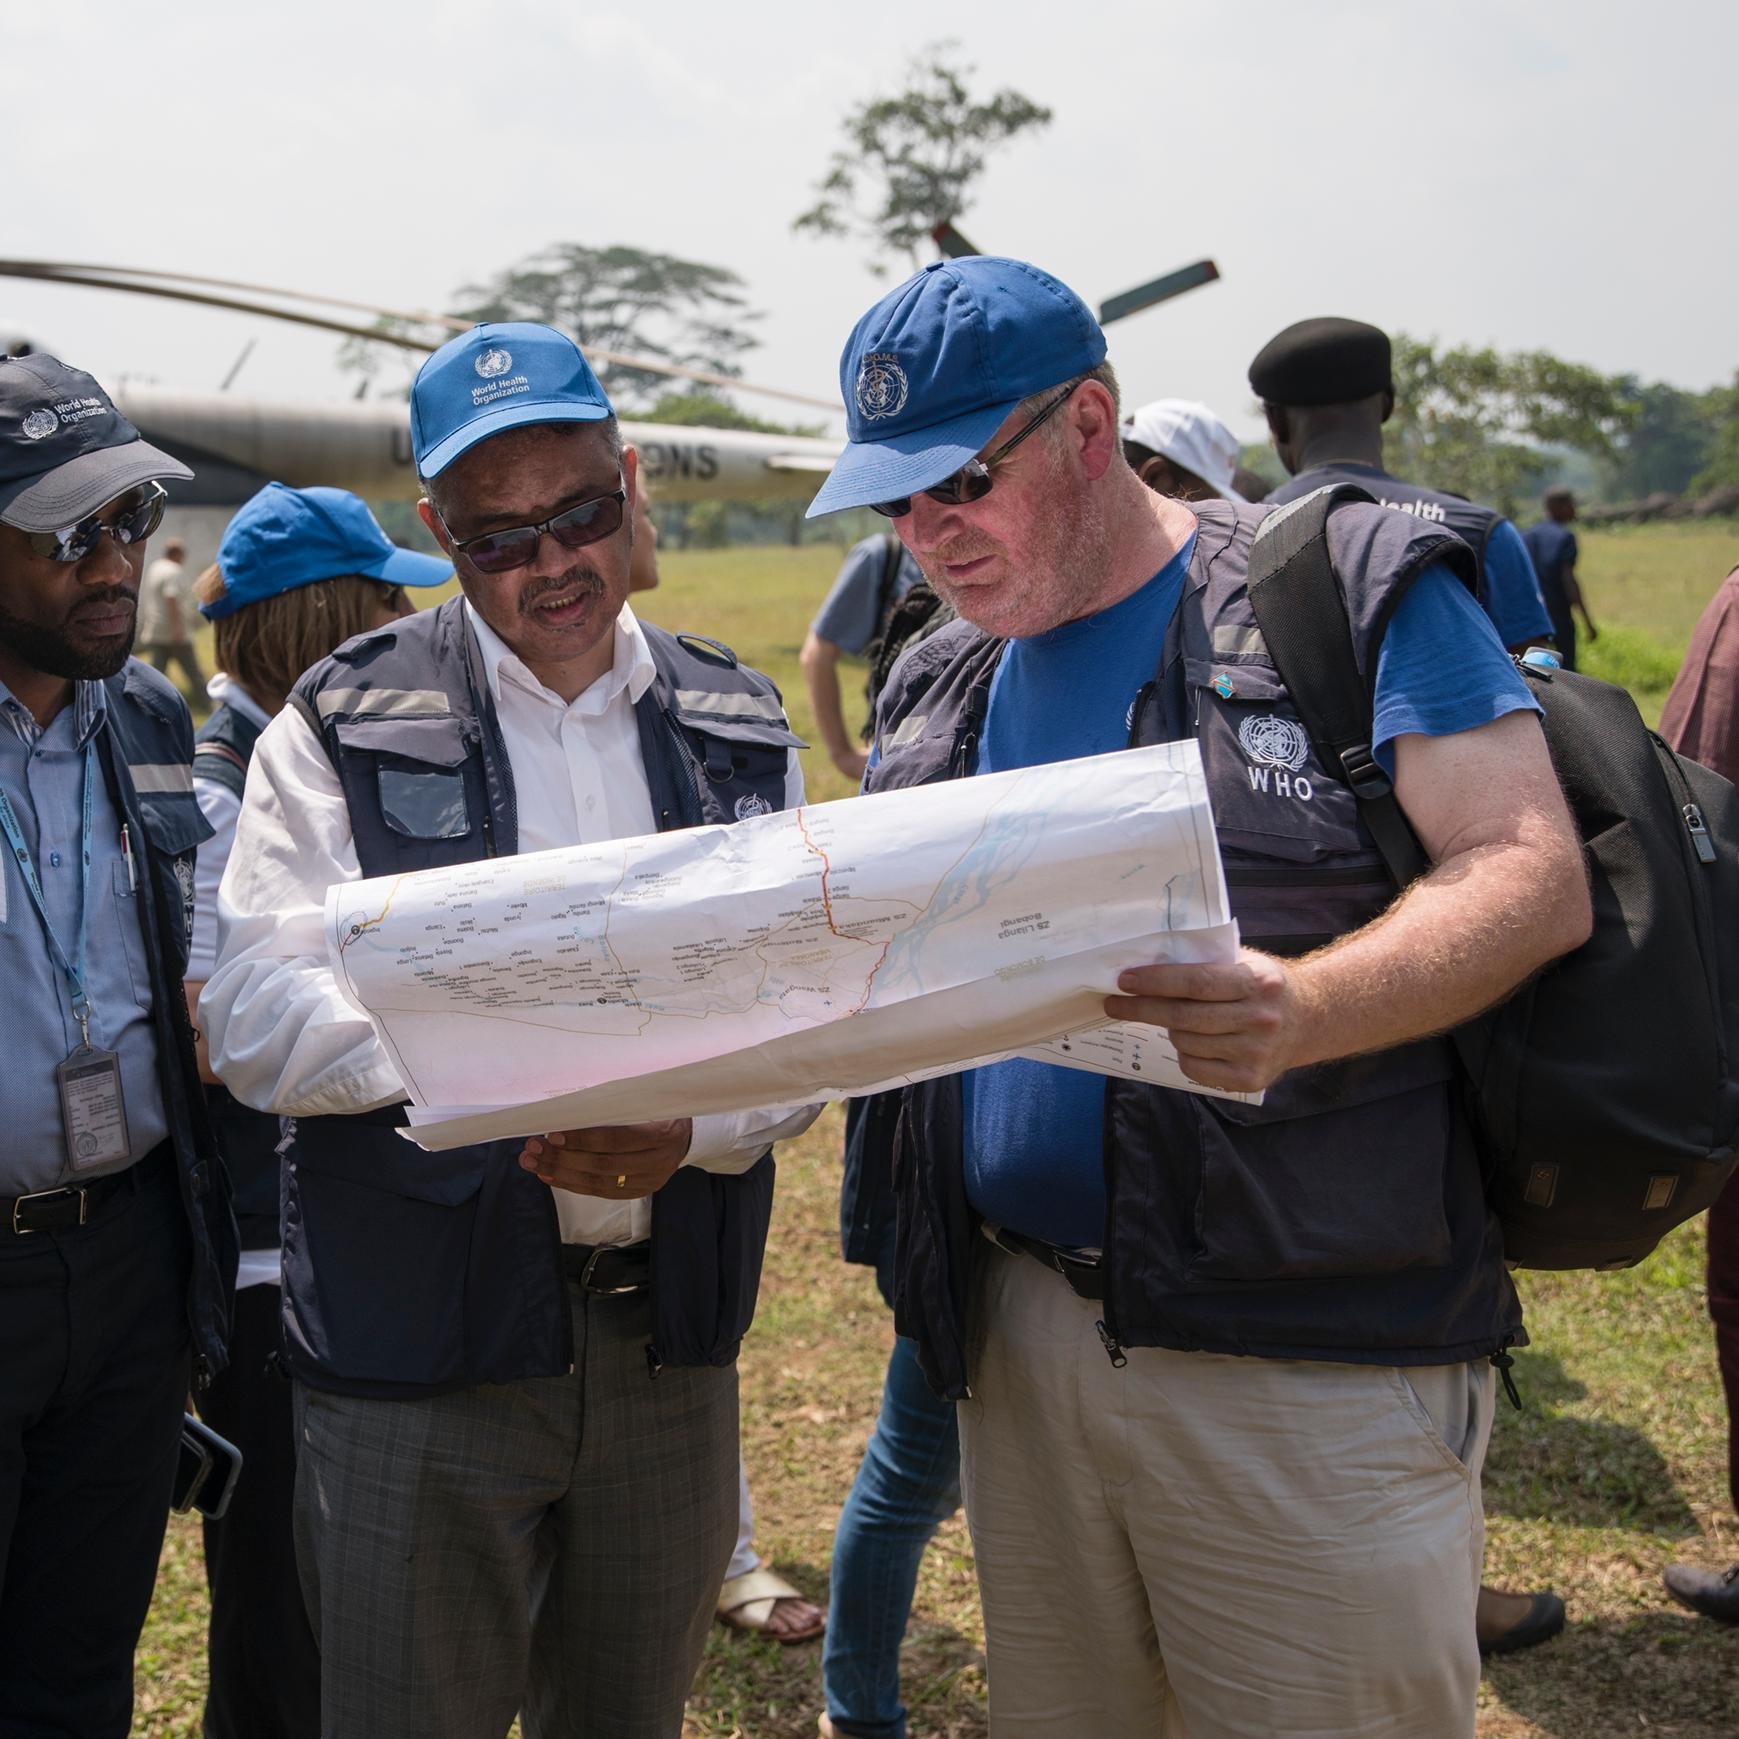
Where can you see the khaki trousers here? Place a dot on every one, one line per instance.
(1205, 1546)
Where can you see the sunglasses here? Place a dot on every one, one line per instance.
(500, 552)
(132, 522)
(972, 482)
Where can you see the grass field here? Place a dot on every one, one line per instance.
(1615, 1466)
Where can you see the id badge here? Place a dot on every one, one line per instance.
(91, 1108)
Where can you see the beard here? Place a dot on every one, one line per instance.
(55, 652)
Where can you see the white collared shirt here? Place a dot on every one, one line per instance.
(285, 1038)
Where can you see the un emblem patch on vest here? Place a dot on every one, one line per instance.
(1277, 749)
(881, 386)
(1274, 742)
(752, 804)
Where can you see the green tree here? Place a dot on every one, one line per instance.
(1671, 440)
(1721, 467)
(911, 160)
(1475, 421)
(670, 310)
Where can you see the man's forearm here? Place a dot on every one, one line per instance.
(821, 676)
(1459, 941)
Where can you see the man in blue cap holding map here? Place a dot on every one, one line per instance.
(516, 1401)
(1222, 1365)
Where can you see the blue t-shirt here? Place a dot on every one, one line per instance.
(1512, 590)
(850, 614)
(1033, 1142)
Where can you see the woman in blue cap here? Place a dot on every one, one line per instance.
(299, 572)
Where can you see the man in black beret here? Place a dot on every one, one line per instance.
(1327, 387)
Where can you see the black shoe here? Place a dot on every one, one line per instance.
(1541, 1622)
(1714, 1593)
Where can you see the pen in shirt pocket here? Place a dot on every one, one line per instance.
(127, 857)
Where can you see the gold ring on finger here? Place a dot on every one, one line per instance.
(621, 1180)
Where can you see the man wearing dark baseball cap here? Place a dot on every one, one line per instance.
(1225, 1364)
(117, 1246)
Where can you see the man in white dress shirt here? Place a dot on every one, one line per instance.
(516, 1395)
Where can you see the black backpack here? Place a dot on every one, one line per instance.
(1603, 1092)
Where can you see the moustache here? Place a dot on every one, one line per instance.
(106, 599)
(581, 576)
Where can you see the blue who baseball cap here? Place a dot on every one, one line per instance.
(283, 538)
(932, 369)
(498, 376)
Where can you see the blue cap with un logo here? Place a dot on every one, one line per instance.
(498, 376)
(282, 538)
(932, 369)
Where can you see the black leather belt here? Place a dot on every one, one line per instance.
(72, 1205)
(1085, 1278)
(608, 1268)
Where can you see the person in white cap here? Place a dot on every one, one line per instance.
(1180, 448)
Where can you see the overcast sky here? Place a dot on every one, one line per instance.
(1556, 173)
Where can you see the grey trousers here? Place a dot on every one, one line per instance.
(552, 1547)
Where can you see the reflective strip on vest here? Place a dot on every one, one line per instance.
(163, 776)
(1233, 641)
(383, 702)
(908, 730)
(697, 700)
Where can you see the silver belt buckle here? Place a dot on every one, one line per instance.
(602, 1291)
(19, 1231)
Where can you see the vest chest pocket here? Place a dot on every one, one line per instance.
(1270, 797)
(419, 772)
(738, 763)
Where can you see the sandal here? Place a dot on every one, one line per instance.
(749, 1601)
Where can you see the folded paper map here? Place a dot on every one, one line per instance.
(811, 953)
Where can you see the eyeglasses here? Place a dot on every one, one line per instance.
(973, 480)
(131, 523)
(500, 552)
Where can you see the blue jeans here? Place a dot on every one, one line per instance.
(908, 1485)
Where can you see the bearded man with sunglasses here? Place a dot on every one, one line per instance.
(516, 1399)
(1223, 1368)
(117, 1246)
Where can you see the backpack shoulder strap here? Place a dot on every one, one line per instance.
(1297, 601)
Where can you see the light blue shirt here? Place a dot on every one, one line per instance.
(42, 772)
(851, 614)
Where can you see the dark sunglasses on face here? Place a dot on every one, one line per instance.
(130, 520)
(499, 552)
(972, 482)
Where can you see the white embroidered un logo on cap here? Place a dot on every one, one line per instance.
(1274, 741)
(493, 362)
(881, 387)
(40, 423)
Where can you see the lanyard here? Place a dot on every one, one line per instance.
(74, 965)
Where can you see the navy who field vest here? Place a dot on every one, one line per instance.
(248, 1139)
(407, 1272)
(1470, 522)
(145, 753)
(1342, 1219)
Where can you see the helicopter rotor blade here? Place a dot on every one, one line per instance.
(1157, 290)
(951, 242)
(163, 284)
